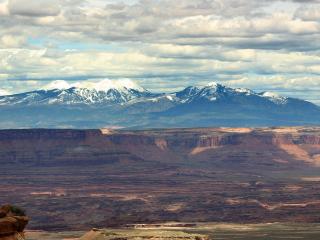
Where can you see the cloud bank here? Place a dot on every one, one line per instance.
(162, 44)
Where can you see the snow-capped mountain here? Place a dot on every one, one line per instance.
(217, 93)
(108, 92)
(123, 103)
(104, 92)
(127, 92)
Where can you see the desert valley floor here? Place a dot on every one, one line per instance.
(200, 231)
(74, 180)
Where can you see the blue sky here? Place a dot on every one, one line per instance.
(163, 45)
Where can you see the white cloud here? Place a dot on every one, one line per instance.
(4, 9)
(11, 41)
(308, 13)
(155, 60)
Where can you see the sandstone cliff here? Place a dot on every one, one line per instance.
(12, 223)
(120, 177)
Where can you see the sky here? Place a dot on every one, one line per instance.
(163, 45)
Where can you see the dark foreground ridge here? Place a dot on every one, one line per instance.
(79, 179)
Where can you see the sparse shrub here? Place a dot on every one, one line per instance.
(17, 211)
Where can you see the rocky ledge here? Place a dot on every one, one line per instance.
(12, 223)
(135, 234)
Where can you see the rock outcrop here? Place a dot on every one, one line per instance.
(12, 223)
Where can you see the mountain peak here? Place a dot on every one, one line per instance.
(101, 86)
(57, 85)
(107, 84)
(244, 90)
(213, 85)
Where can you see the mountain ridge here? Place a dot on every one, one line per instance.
(124, 94)
(128, 105)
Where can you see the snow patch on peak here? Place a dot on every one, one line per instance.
(169, 97)
(271, 95)
(57, 84)
(274, 97)
(107, 84)
(103, 85)
(244, 90)
(213, 85)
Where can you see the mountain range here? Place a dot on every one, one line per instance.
(127, 105)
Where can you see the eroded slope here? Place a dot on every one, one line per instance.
(75, 179)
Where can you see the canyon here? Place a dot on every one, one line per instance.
(79, 179)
